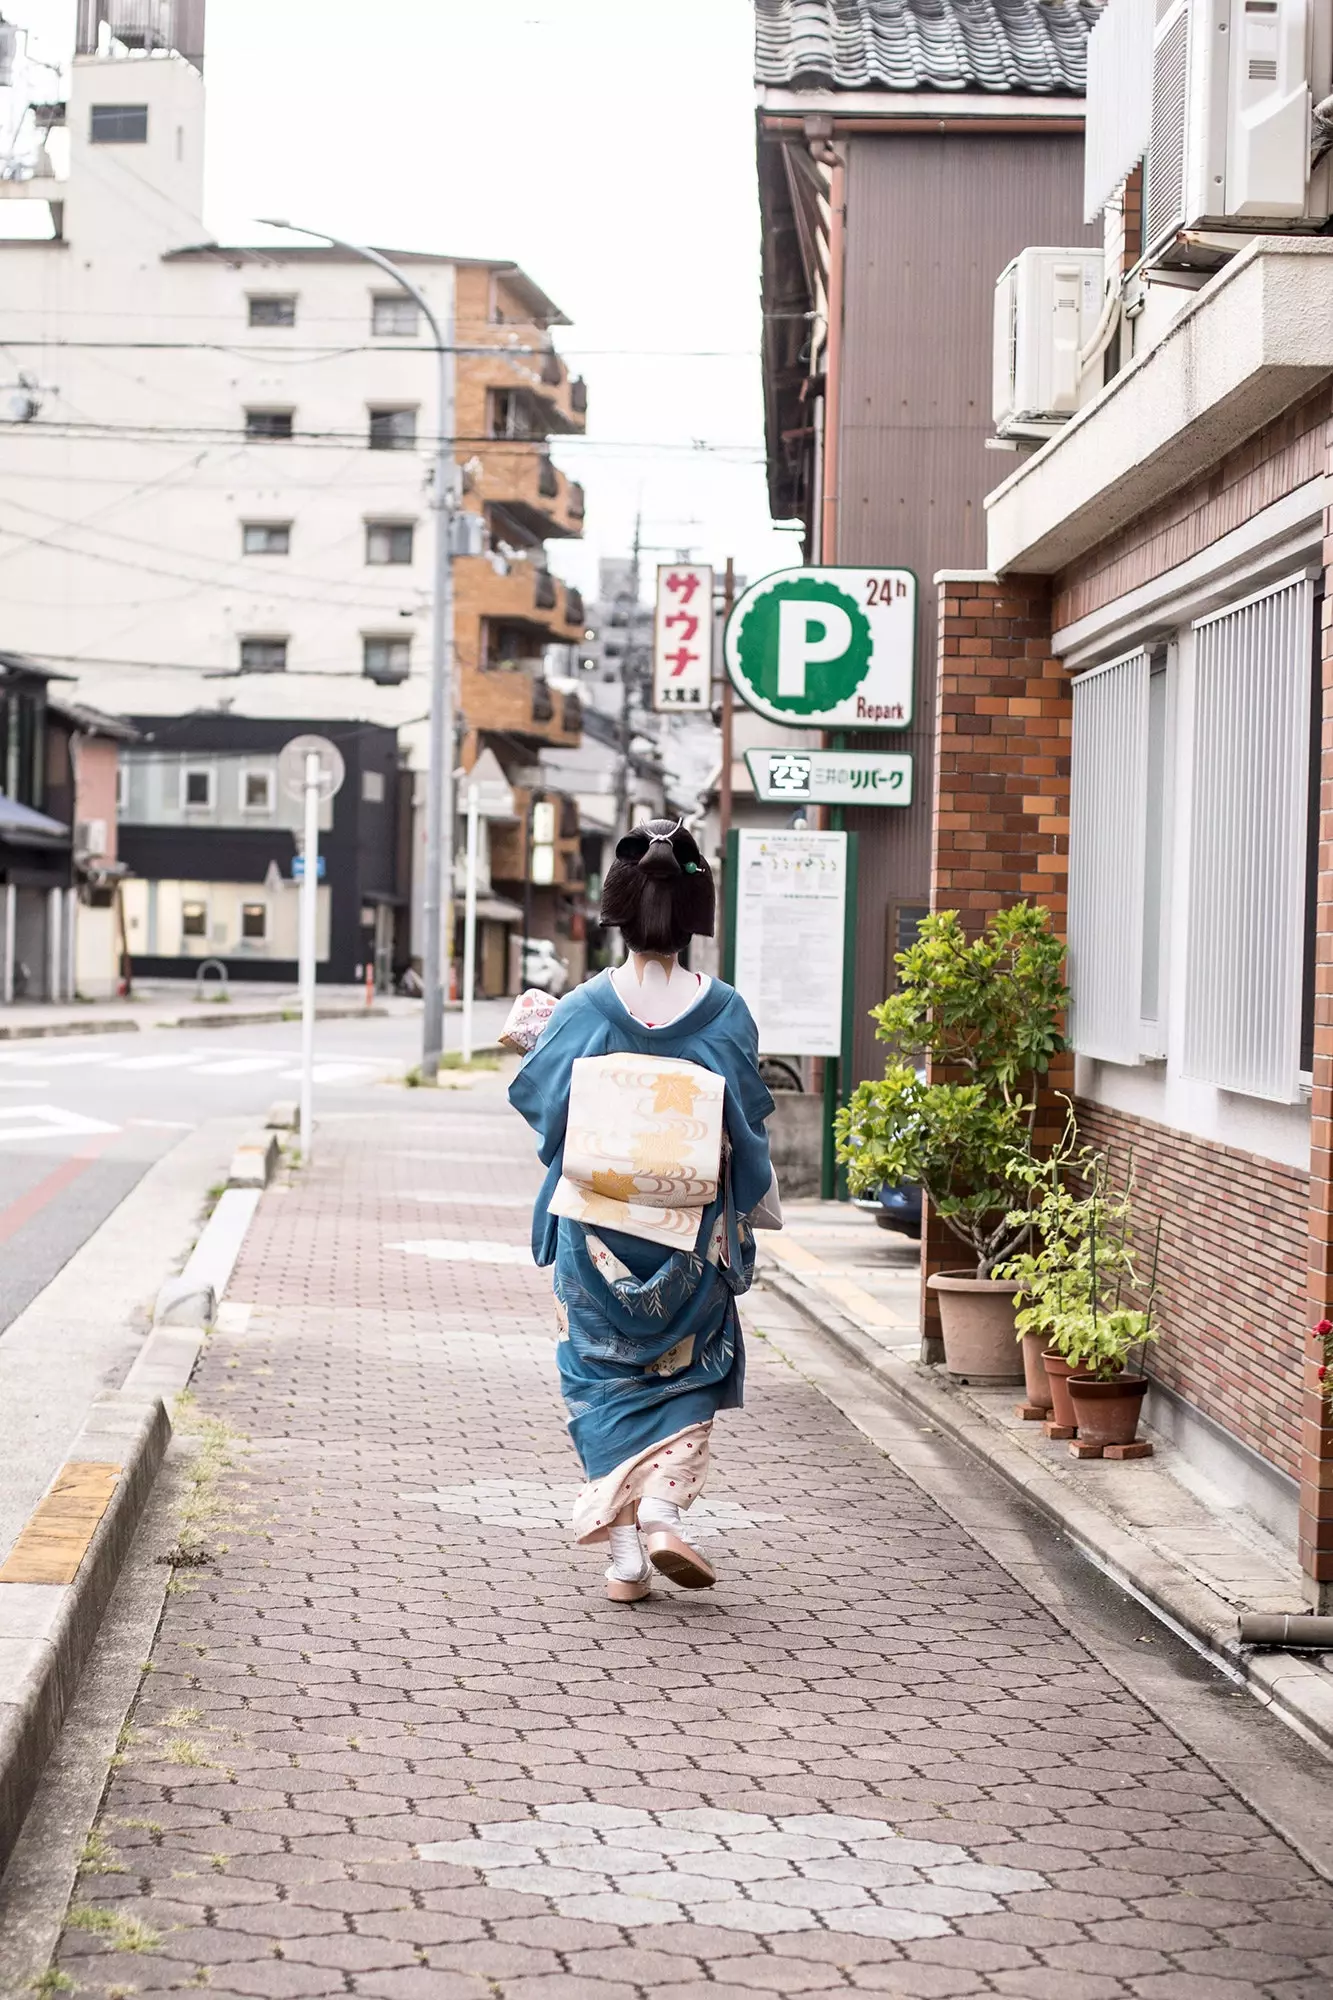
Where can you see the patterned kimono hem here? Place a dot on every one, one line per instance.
(674, 1468)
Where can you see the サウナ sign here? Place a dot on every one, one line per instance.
(826, 648)
(683, 639)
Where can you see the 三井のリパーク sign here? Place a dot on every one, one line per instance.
(828, 648)
(831, 777)
(683, 639)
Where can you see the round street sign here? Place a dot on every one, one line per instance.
(830, 648)
(291, 766)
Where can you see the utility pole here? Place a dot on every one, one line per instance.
(437, 897)
(724, 779)
(627, 679)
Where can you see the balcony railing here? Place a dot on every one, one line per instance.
(544, 595)
(548, 479)
(574, 614)
(571, 713)
(543, 707)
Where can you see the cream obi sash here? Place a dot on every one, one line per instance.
(643, 1146)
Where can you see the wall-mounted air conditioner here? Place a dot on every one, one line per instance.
(1234, 85)
(1047, 306)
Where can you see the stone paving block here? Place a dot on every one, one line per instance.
(440, 1764)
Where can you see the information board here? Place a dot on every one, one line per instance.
(790, 940)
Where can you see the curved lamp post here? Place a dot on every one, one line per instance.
(437, 897)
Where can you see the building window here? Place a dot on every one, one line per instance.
(194, 920)
(257, 791)
(372, 788)
(263, 656)
(388, 541)
(268, 423)
(386, 660)
(122, 786)
(273, 309)
(254, 923)
(393, 430)
(394, 313)
(197, 788)
(1249, 813)
(118, 125)
(266, 538)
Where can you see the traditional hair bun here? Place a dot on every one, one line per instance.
(659, 890)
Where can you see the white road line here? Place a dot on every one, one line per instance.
(333, 1072)
(55, 1059)
(239, 1066)
(48, 1121)
(451, 1251)
(176, 1061)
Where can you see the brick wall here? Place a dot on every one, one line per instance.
(1231, 1277)
(1001, 812)
(1275, 461)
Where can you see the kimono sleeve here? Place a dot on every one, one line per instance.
(749, 1103)
(540, 1091)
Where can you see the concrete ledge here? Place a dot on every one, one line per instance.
(254, 1161)
(1295, 1688)
(26, 1031)
(228, 1016)
(48, 1630)
(284, 1116)
(1248, 345)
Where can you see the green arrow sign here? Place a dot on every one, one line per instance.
(827, 648)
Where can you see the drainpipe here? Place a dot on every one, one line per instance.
(819, 133)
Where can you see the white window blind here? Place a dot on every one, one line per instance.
(1247, 844)
(1108, 818)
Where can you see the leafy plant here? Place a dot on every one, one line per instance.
(986, 1012)
(1078, 1273)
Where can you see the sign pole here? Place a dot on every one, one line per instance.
(470, 919)
(309, 911)
(724, 782)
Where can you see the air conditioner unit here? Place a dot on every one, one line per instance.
(1047, 305)
(90, 836)
(1234, 83)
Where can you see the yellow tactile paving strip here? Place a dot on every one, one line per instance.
(61, 1526)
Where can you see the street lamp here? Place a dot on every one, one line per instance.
(437, 947)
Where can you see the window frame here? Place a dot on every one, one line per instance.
(389, 441)
(249, 772)
(269, 639)
(96, 138)
(266, 412)
(251, 937)
(390, 529)
(278, 299)
(283, 528)
(208, 772)
(402, 302)
(186, 910)
(386, 676)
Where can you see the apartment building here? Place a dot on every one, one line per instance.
(1135, 715)
(215, 486)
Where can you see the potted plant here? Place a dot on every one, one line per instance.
(1076, 1280)
(985, 1013)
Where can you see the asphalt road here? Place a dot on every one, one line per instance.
(83, 1117)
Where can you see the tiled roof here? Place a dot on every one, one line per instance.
(1026, 46)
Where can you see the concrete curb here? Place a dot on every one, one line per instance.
(47, 1631)
(1300, 1692)
(28, 1031)
(192, 1298)
(254, 1161)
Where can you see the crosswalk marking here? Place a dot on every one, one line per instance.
(239, 1066)
(47, 1121)
(54, 1058)
(176, 1061)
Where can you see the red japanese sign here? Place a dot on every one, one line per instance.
(683, 639)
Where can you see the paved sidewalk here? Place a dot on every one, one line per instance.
(396, 1743)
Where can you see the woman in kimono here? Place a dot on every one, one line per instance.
(651, 1345)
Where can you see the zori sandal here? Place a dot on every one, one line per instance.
(678, 1561)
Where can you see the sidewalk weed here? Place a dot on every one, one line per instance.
(51, 1981)
(98, 1856)
(180, 1750)
(122, 1933)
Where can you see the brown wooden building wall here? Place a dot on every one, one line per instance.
(931, 222)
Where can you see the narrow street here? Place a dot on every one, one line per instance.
(393, 1741)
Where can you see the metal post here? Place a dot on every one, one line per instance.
(309, 913)
(11, 944)
(527, 889)
(437, 898)
(71, 944)
(470, 917)
(54, 908)
(728, 714)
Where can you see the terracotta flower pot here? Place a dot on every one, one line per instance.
(1107, 1412)
(1034, 1372)
(1058, 1372)
(977, 1322)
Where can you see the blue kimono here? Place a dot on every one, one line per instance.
(618, 1328)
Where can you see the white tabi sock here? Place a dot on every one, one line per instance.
(628, 1563)
(655, 1513)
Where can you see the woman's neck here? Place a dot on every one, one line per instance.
(655, 987)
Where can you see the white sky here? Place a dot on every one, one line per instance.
(607, 146)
